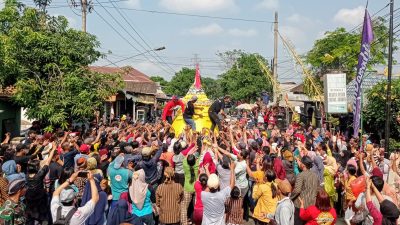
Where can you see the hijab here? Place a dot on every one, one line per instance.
(208, 160)
(138, 189)
(331, 165)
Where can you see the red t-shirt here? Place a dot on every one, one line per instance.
(198, 189)
(313, 216)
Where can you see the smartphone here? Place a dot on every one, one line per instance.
(83, 174)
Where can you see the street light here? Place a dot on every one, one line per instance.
(142, 53)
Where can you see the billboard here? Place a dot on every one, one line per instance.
(335, 93)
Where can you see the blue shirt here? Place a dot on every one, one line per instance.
(147, 207)
(119, 180)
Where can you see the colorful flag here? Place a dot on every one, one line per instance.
(363, 58)
(197, 81)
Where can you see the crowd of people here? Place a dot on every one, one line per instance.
(135, 173)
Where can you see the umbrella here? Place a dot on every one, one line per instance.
(246, 106)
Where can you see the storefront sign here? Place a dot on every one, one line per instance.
(335, 93)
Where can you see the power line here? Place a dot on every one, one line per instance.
(126, 32)
(130, 25)
(195, 15)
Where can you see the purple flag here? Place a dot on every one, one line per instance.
(363, 58)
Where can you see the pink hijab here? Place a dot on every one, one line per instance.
(138, 189)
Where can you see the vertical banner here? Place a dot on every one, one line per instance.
(363, 58)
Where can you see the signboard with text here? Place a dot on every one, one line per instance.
(335, 93)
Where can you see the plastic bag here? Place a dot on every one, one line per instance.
(348, 214)
(358, 186)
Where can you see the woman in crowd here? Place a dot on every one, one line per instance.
(190, 168)
(142, 197)
(266, 195)
(199, 186)
(320, 213)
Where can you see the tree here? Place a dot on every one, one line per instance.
(212, 87)
(374, 114)
(48, 62)
(245, 79)
(181, 82)
(339, 49)
(160, 80)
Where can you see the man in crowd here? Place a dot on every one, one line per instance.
(216, 110)
(189, 113)
(169, 109)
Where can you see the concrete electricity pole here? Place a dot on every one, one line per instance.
(275, 61)
(84, 14)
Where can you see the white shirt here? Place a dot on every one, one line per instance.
(79, 217)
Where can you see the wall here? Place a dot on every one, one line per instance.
(10, 118)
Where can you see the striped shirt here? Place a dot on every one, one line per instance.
(306, 187)
(168, 199)
(234, 211)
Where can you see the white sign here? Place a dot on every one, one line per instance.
(335, 93)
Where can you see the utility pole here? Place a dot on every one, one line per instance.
(84, 13)
(389, 84)
(196, 59)
(275, 63)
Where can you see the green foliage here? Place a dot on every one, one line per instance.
(212, 87)
(245, 79)
(339, 49)
(180, 82)
(47, 62)
(160, 80)
(374, 114)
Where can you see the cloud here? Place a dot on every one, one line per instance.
(350, 17)
(208, 30)
(215, 29)
(268, 4)
(293, 33)
(198, 5)
(133, 3)
(242, 33)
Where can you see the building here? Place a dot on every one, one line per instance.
(138, 98)
(10, 114)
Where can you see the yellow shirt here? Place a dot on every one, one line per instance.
(265, 204)
(349, 193)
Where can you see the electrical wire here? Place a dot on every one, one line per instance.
(128, 34)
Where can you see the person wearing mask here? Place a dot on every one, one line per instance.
(388, 213)
(320, 213)
(12, 212)
(169, 109)
(306, 187)
(190, 112)
(284, 214)
(216, 109)
(214, 200)
(62, 205)
(119, 178)
(142, 196)
(266, 195)
(169, 196)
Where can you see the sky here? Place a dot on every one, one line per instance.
(127, 28)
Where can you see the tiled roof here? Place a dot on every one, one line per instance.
(135, 81)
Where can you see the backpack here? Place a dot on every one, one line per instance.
(61, 220)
